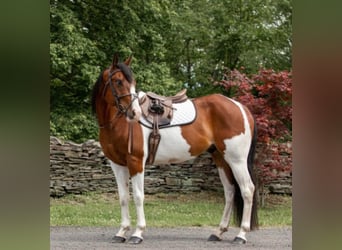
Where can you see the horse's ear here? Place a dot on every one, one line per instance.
(115, 60)
(129, 60)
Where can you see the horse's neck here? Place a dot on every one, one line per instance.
(107, 115)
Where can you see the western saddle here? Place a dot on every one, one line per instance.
(158, 110)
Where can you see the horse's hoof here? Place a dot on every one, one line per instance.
(214, 237)
(239, 241)
(118, 239)
(135, 240)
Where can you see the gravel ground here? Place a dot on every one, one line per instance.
(66, 238)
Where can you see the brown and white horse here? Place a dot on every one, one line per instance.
(223, 127)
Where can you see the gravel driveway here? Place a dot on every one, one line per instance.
(168, 238)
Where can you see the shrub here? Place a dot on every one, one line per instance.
(268, 95)
(73, 126)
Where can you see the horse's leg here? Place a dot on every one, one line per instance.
(243, 179)
(122, 179)
(229, 190)
(138, 192)
(239, 153)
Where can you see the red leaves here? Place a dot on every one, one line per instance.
(268, 95)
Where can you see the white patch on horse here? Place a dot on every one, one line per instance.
(236, 153)
(229, 191)
(238, 146)
(138, 194)
(122, 178)
(173, 148)
(135, 104)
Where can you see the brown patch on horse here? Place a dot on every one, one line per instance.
(135, 159)
(215, 113)
(114, 144)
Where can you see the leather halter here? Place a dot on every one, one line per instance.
(121, 108)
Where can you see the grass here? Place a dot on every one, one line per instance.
(200, 209)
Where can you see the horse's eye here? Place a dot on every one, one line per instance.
(119, 82)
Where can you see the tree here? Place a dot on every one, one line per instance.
(132, 27)
(73, 70)
(205, 38)
(252, 34)
(175, 44)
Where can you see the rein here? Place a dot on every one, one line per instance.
(130, 138)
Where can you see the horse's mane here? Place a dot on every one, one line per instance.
(125, 70)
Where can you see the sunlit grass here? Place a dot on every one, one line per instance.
(277, 211)
(202, 209)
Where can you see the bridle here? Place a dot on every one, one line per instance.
(122, 110)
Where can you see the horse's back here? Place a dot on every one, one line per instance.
(223, 113)
(218, 119)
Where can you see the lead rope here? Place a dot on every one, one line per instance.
(130, 138)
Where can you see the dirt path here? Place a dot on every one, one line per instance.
(168, 238)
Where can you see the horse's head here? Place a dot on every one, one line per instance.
(119, 89)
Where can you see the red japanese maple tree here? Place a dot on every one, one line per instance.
(268, 95)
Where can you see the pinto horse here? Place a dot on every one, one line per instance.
(222, 126)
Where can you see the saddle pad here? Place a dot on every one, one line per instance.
(183, 113)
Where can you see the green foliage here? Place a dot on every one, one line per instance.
(252, 34)
(156, 77)
(74, 126)
(74, 61)
(175, 44)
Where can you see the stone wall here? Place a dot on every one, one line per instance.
(80, 168)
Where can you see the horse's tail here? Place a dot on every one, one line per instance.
(238, 201)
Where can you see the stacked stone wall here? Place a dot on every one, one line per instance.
(80, 168)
